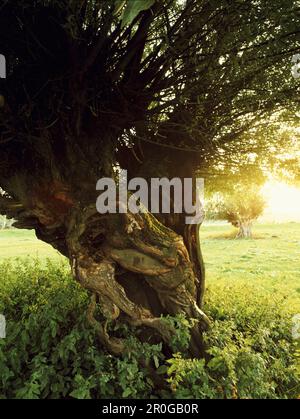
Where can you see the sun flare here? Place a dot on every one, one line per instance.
(283, 201)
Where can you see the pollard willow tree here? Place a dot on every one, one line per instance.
(159, 88)
(242, 207)
(236, 196)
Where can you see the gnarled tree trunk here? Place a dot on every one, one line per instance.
(134, 267)
(138, 270)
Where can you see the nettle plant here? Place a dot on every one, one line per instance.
(50, 350)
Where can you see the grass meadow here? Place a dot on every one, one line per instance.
(270, 262)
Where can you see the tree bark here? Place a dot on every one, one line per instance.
(137, 270)
(137, 267)
(245, 230)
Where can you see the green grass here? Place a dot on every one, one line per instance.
(269, 263)
(23, 243)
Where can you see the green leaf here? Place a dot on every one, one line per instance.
(133, 8)
(127, 392)
(156, 361)
(119, 4)
(80, 393)
(162, 370)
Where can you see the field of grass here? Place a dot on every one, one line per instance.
(23, 243)
(271, 261)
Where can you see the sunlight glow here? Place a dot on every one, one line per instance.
(283, 201)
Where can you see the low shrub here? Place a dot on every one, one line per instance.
(51, 352)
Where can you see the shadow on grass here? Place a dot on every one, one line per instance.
(232, 235)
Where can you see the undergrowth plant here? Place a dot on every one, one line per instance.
(51, 352)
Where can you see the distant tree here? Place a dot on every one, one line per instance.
(241, 208)
(236, 197)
